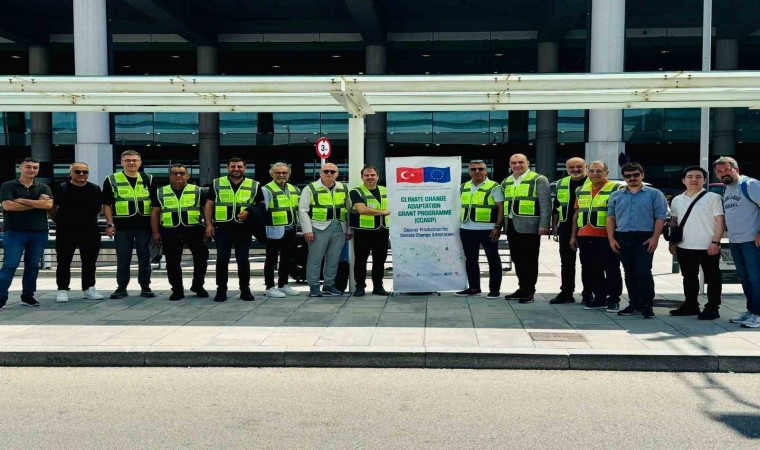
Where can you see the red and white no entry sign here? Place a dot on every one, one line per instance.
(323, 147)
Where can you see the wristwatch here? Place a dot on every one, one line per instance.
(715, 242)
(109, 225)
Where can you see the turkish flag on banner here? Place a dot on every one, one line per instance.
(410, 175)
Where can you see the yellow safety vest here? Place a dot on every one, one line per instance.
(282, 209)
(129, 201)
(230, 203)
(185, 210)
(563, 198)
(478, 206)
(365, 221)
(328, 204)
(521, 200)
(592, 209)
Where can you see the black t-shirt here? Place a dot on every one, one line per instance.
(31, 220)
(258, 202)
(134, 222)
(357, 197)
(571, 206)
(78, 206)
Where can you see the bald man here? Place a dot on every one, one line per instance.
(562, 224)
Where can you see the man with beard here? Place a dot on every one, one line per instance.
(281, 200)
(228, 206)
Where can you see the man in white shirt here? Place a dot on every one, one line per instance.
(700, 246)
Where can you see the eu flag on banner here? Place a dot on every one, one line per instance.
(437, 174)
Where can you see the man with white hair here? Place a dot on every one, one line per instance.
(281, 202)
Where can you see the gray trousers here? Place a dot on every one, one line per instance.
(327, 245)
(125, 241)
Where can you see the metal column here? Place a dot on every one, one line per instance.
(546, 121)
(208, 123)
(42, 122)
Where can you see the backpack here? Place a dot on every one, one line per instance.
(745, 191)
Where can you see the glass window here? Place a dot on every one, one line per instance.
(334, 123)
(240, 123)
(460, 122)
(296, 123)
(682, 119)
(133, 123)
(176, 123)
(410, 122)
(64, 122)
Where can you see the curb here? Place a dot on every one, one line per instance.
(404, 358)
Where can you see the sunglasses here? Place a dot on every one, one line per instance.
(331, 172)
(179, 174)
(81, 172)
(631, 175)
(477, 169)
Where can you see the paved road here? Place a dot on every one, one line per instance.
(300, 408)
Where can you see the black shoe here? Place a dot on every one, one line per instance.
(379, 290)
(598, 303)
(647, 312)
(588, 297)
(359, 292)
(685, 310)
(709, 314)
(3, 301)
(199, 292)
(562, 298)
(613, 305)
(246, 296)
(494, 294)
(147, 293)
(515, 295)
(527, 299)
(29, 300)
(119, 293)
(629, 311)
(467, 292)
(221, 296)
(177, 296)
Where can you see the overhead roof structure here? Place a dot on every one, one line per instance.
(362, 95)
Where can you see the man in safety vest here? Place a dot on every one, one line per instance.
(176, 221)
(368, 218)
(527, 209)
(322, 214)
(126, 205)
(600, 265)
(562, 224)
(227, 208)
(482, 217)
(281, 202)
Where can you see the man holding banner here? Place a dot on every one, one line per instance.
(527, 209)
(368, 218)
(482, 216)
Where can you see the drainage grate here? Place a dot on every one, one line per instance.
(667, 303)
(559, 337)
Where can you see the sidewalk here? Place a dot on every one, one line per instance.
(399, 331)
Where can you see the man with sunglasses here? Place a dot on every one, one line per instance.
(177, 208)
(227, 211)
(25, 202)
(281, 201)
(126, 205)
(635, 220)
(322, 214)
(482, 218)
(76, 207)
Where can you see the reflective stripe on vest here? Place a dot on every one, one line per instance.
(592, 209)
(129, 201)
(230, 203)
(282, 209)
(365, 221)
(328, 204)
(185, 211)
(563, 198)
(478, 206)
(521, 200)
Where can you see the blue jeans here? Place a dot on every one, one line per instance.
(30, 244)
(637, 265)
(747, 259)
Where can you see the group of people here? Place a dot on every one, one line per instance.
(607, 222)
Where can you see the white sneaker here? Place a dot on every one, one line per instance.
(742, 317)
(62, 297)
(92, 294)
(274, 293)
(289, 291)
(753, 321)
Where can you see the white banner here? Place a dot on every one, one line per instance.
(423, 197)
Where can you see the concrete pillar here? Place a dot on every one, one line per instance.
(724, 119)
(546, 121)
(376, 137)
(208, 123)
(91, 58)
(605, 133)
(42, 122)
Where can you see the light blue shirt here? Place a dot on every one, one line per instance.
(742, 216)
(498, 196)
(637, 212)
